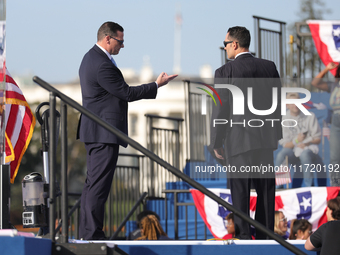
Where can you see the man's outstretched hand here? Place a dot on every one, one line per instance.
(164, 78)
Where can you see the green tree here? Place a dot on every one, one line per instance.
(312, 9)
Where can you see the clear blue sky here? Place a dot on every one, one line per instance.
(49, 38)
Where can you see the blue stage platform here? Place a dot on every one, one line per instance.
(20, 245)
(239, 247)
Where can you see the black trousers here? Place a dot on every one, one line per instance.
(101, 164)
(264, 184)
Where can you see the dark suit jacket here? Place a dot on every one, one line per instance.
(106, 94)
(247, 71)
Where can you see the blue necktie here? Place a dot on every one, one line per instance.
(113, 61)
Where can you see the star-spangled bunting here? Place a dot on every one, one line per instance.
(306, 203)
(326, 37)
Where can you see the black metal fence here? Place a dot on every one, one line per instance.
(197, 124)
(270, 36)
(168, 144)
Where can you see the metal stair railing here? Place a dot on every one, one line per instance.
(56, 93)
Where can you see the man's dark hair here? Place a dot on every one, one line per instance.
(109, 28)
(241, 35)
(334, 205)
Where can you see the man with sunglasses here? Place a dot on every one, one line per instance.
(247, 142)
(106, 94)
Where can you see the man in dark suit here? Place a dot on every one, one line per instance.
(246, 141)
(106, 94)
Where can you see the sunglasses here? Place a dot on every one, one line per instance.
(227, 42)
(120, 41)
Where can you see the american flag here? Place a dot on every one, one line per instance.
(19, 121)
(282, 176)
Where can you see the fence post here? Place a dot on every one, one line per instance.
(64, 193)
(52, 160)
(4, 196)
